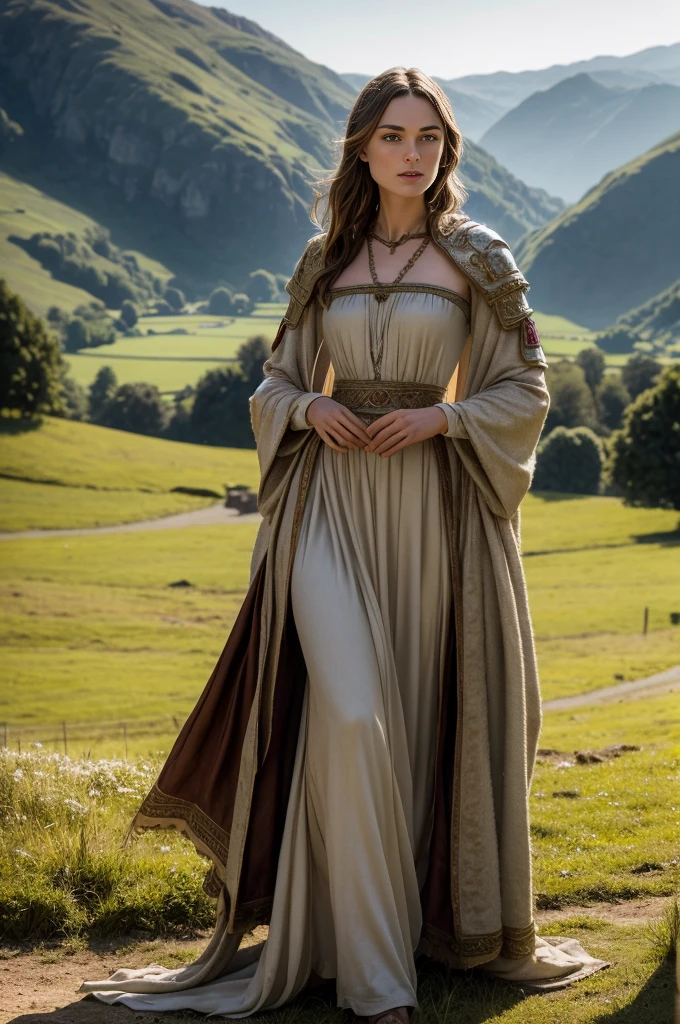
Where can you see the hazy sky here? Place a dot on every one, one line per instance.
(450, 38)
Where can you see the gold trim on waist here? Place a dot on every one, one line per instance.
(377, 397)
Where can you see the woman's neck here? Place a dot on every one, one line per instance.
(394, 220)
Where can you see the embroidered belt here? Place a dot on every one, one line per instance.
(373, 398)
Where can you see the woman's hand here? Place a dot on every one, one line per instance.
(337, 425)
(398, 429)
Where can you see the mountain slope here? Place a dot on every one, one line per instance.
(147, 106)
(616, 248)
(566, 138)
(190, 133)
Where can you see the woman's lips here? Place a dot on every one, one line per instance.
(411, 175)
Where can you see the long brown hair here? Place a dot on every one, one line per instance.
(353, 195)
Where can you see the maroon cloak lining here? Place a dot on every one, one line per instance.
(196, 788)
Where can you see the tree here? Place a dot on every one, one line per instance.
(645, 454)
(640, 373)
(31, 364)
(592, 362)
(101, 389)
(74, 399)
(612, 398)
(251, 356)
(571, 401)
(262, 286)
(128, 314)
(616, 340)
(77, 335)
(135, 407)
(220, 302)
(569, 461)
(242, 305)
(220, 414)
(175, 299)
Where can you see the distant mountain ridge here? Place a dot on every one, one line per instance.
(479, 101)
(567, 138)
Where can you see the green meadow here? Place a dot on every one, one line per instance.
(173, 360)
(75, 607)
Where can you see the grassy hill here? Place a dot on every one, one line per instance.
(616, 248)
(26, 210)
(65, 475)
(658, 320)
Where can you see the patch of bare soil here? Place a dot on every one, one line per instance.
(624, 913)
(40, 985)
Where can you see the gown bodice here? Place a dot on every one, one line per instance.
(424, 328)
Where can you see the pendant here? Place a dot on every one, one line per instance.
(381, 295)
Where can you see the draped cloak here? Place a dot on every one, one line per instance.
(226, 781)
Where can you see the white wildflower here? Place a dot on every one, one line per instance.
(75, 806)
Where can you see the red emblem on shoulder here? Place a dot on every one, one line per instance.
(532, 337)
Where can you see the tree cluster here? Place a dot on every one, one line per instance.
(617, 433)
(94, 264)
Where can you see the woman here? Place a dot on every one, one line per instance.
(358, 765)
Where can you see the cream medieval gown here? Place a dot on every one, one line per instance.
(370, 591)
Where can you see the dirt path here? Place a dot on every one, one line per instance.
(662, 682)
(214, 515)
(40, 986)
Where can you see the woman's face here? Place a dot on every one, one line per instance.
(409, 138)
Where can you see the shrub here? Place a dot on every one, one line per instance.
(569, 461)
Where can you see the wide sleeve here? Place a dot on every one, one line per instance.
(496, 427)
(279, 405)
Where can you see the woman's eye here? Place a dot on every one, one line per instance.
(393, 135)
